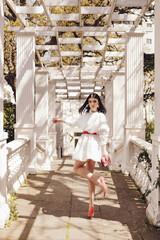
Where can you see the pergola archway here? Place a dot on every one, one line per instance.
(94, 66)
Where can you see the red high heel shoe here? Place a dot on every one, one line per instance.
(104, 185)
(91, 212)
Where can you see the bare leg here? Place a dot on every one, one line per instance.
(84, 172)
(90, 164)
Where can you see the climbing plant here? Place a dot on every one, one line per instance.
(9, 119)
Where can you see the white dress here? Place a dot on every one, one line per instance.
(89, 146)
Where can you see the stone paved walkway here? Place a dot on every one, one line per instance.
(54, 205)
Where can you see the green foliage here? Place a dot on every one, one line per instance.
(158, 179)
(13, 208)
(9, 119)
(148, 62)
(144, 157)
(149, 130)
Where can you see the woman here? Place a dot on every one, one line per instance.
(91, 145)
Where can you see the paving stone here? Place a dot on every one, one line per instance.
(54, 206)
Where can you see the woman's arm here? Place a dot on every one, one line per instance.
(57, 120)
(105, 153)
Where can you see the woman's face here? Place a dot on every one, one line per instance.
(93, 104)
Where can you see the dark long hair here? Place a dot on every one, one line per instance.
(85, 107)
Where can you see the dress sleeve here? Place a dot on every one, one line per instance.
(75, 123)
(103, 130)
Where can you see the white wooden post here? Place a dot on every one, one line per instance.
(153, 209)
(51, 115)
(118, 108)
(134, 125)
(4, 207)
(41, 118)
(25, 75)
(109, 104)
(109, 114)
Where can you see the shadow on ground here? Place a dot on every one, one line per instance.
(62, 195)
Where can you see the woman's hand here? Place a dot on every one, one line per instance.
(105, 160)
(108, 158)
(56, 120)
(105, 156)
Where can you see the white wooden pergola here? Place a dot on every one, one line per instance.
(116, 73)
(88, 71)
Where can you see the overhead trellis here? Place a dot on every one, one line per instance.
(80, 42)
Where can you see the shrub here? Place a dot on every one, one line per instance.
(9, 119)
(149, 130)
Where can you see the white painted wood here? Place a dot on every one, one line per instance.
(95, 10)
(120, 28)
(109, 68)
(51, 115)
(92, 59)
(12, 5)
(109, 104)
(4, 207)
(70, 53)
(29, 10)
(90, 34)
(61, 2)
(25, 79)
(114, 54)
(157, 71)
(134, 79)
(69, 40)
(65, 17)
(131, 3)
(107, 36)
(46, 47)
(134, 125)
(1, 66)
(124, 17)
(93, 47)
(89, 69)
(102, 47)
(116, 41)
(153, 209)
(47, 12)
(41, 105)
(45, 33)
(25, 122)
(50, 59)
(118, 109)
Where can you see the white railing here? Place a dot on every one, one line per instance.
(42, 157)
(141, 170)
(17, 161)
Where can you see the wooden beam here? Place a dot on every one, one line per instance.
(45, 33)
(124, 17)
(92, 59)
(96, 47)
(143, 11)
(65, 17)
(132, 3)
(70, 40)
(47, 12)
(61, 2)
(70, 53)
(46, 47)
(12, 6)
(114, 54)
(39, 58)
(95, 10)
(30, 10)
(120, 28)
(50, 59)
